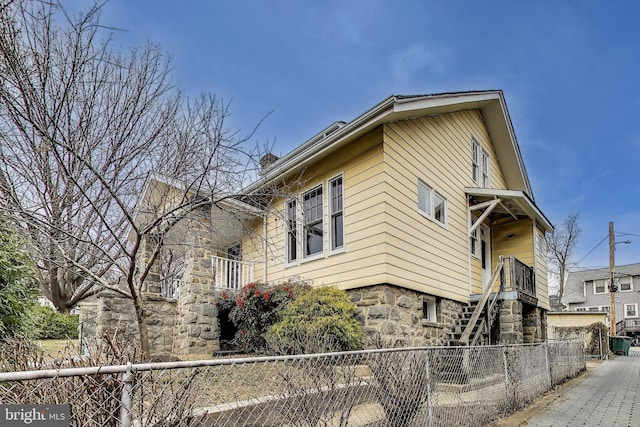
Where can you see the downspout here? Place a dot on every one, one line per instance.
(264, 248)
(536, 251)
(469, 246)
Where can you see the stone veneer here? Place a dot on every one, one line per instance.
(510, 322)
(519, 324)
(186, 326)
(197, 327)
(395, 314)
(114, 315)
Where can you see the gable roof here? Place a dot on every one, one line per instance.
(574, 288)
(398, 107)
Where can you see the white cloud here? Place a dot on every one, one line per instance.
(413, 62)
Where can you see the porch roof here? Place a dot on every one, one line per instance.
(515, 203)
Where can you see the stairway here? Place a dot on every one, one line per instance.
(453, 365)
(484, 336)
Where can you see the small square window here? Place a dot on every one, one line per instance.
(429, 309)
(432, 204)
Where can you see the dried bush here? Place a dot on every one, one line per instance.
(95, 400)
(402, 383)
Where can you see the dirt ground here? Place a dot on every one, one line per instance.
(543, 402)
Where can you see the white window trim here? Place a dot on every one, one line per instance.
(480, 162)
(474, 237)
(630, 278)
(431, 309)
(635, 308)
(339, 249)
(287, 262)
(475, 161)
(304, 257)
(485, 171)
(606, 286)
(431, 214)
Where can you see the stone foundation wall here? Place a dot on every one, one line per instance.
(115, 315)
(532, 326)
(394, 313)
(511, 331)
(88, 323)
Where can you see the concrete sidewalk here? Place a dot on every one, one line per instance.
(608, 394)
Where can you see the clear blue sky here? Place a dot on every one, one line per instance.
(570, 72)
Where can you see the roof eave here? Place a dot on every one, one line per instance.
(491, 103)
(526, 203)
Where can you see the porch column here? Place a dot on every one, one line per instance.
(511, 330)
(197, 319)
(151, 285)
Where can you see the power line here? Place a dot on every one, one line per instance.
(594, 248)
(628, 234)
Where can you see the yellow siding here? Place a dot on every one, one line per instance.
(524, 245)
(573, 319)
(424, 255)
(521, 244)
(541, 270)
(363, 262)
(387, 240)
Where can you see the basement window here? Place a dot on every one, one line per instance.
(429, 309)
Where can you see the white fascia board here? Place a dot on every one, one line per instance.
(313, 148)
(518, 196)
(392, 108)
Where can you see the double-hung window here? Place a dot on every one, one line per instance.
(432, 204)
(631, 310)
(313, 232)
(336, 208)
(474, 243)
(626, 284)
(600, 286)
(480, 164)
(291, 242)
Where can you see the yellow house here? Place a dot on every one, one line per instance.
(420, 208)
(411, 207)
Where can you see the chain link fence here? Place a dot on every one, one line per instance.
(462, 386)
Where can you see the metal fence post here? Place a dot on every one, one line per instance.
(507, 381)
(547, 365)
(429, 391)
(126, 401)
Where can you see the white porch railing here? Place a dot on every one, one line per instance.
(231, 274)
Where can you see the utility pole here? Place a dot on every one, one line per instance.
(612, 288)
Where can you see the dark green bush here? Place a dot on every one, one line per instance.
(255, 308)
(18, 292)
(323, 319)
(51, 325)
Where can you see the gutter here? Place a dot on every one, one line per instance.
(314, 146)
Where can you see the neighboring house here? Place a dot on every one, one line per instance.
(588, 290)
(420, 208)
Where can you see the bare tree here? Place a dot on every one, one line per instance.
(561, 244)
(83, 127)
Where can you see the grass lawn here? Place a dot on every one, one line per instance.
(53, 347)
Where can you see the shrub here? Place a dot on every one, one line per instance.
(255, 308)
(51, 325)
(323, 319)
(18, 292)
